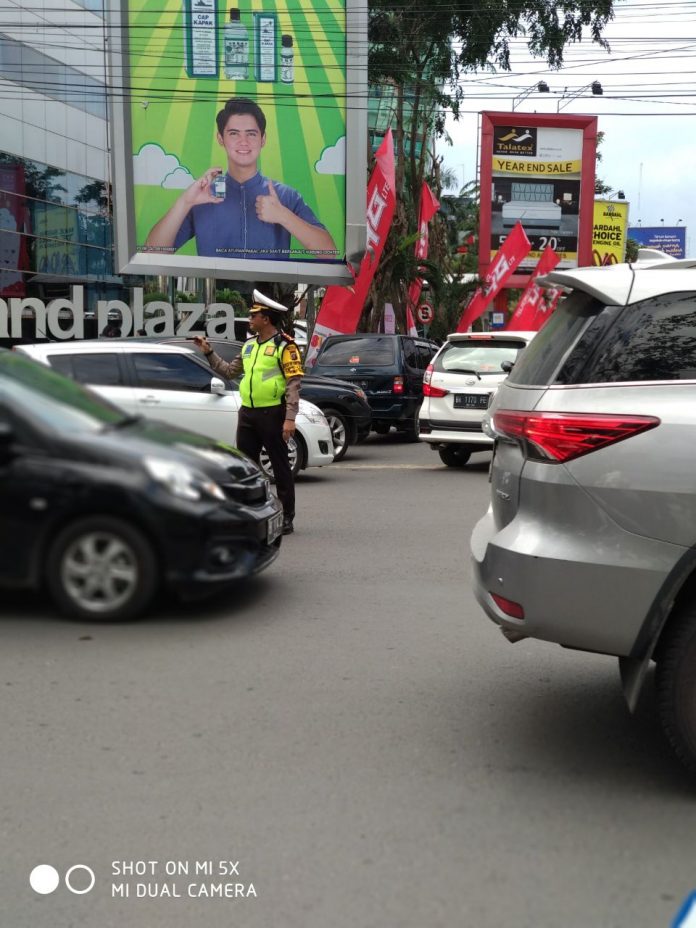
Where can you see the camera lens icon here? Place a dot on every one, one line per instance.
(79, 879)
(44, 879)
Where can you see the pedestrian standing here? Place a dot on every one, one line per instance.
(270, 393)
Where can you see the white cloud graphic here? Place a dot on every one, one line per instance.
(179, 179)
(333, 159)
(153, 167)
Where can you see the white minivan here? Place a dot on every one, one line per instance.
(458, 387)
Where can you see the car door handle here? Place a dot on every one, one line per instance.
(149, 401)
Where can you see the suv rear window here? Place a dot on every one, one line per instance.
(545, 354)
(652, 340)
(587, 342)
(478, 356)
(378, 352)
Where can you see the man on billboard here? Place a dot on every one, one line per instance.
(241, 214)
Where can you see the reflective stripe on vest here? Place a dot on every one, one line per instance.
(263, 383)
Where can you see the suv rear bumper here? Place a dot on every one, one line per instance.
(589, 589)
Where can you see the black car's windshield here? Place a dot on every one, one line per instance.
(52, 399)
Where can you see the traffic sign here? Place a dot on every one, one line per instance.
(425, 313)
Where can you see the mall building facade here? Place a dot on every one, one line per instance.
(55, 213)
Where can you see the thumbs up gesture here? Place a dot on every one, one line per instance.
(269, 208)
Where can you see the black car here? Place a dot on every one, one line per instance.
(104, 509)
(390, 370)
(343, 403)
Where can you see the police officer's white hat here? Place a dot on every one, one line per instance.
(263, 303)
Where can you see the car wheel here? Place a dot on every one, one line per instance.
(676, 686)
(411, 427)
(101, 568)
(340, 432)
(453, 456)
(296, 457)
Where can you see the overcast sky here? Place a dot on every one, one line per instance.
(647, 110)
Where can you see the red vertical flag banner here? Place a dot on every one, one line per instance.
(522, 319)
(512, 252)
(341, 307)
(426, 210)
(547, 304)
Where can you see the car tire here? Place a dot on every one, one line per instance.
(296, 453)
(675, 680)
(411, 426)
(102, 569)
(453, 456)
(382, 428)
(340, 432)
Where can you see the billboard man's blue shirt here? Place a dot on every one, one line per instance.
(231, 229)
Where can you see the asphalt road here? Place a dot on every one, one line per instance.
(347, 740)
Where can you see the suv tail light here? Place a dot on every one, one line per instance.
(563, 436)
(398, 385)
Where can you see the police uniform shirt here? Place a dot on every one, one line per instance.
(290, 364)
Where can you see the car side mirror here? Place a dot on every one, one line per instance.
(217, 386)
(507, 366)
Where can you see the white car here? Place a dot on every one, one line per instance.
(458, 387)
(170, 383)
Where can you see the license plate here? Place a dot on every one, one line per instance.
(274, 528)
(471, 400)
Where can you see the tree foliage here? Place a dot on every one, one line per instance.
(423, 51)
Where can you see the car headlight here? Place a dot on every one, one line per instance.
(182, 481)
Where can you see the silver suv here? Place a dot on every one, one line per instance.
(590, 538)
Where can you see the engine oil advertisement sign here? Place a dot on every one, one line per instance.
(236, 138)
(536, 174)
(609, 232)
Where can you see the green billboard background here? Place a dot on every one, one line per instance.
(176, 113)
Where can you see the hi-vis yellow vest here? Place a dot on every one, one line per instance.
(263, 383)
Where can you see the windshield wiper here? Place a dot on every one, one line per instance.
(462, 370)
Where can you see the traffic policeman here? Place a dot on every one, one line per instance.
(270, 393)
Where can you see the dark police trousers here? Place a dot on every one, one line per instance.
(257, 428)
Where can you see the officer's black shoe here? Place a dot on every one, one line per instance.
(288, 527)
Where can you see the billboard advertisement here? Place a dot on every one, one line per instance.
(539, 170)
(236, 153)
(670, 239)
(609, 232)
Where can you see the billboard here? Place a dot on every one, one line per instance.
(670, 239)
(236, 152)
(609, 232)
(537, 169)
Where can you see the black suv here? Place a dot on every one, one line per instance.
(390, 370)
(343, 403)
(103, 509)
